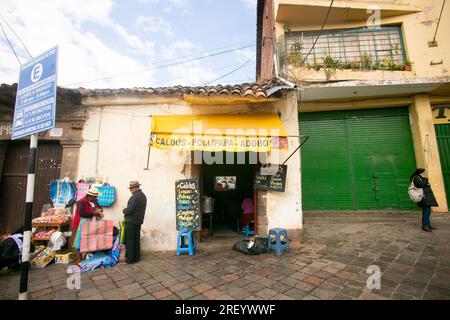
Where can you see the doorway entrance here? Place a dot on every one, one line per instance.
(14, 179)
(228, 179)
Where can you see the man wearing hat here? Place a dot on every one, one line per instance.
(134, 217)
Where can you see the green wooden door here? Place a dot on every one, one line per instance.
(443, 139)
(356, 160)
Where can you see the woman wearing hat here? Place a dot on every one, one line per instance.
(87, 209)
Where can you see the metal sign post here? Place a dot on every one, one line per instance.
(34, 112)
(24, 267)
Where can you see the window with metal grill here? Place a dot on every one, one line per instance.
(368, 48)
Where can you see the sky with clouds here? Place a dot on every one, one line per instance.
(134, 43)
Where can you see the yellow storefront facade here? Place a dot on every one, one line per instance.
(357, 62)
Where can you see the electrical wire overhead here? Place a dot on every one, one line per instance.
(10, 45)
(233, 71)
(165, 65)
(17, 36)
(320, 32)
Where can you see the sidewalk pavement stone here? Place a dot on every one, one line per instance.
(162, 293)
(330, 263)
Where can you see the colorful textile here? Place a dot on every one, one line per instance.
(96, 236)
(77, 240)
(82, 188)
(108, 196)
(247, 205)
(86, 206)
(98, 261)
(115, 253)
(123, 253)
(62, 193)
(122, 231)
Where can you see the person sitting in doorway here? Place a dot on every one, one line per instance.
(87, 209)
(247, 211)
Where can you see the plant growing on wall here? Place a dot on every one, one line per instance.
(366, 61)
(295, 56)
(330, 65)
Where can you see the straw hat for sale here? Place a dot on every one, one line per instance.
(93, 192)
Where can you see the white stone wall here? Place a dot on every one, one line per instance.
(284, 209)
(116, 147)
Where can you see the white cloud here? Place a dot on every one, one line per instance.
(191, 73)
(179, 3)
(182, 6)
(180, 48)
(83, 56)
(154, 24)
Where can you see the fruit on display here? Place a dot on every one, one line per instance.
(44, 235)
(52, 216)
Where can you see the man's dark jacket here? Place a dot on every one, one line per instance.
(135, 210)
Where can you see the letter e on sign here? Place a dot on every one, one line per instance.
(36, 72)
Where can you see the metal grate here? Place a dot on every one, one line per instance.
(377, 46)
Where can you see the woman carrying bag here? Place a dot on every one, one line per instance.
(428, 199)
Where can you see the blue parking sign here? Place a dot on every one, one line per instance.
(36, 95)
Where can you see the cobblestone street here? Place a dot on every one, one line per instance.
(331, 263)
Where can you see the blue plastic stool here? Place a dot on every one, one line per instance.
(247, 231)
(188, 247)
(278, 246)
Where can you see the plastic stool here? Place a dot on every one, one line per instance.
(188, 247)
(247, 231)
(278, 246)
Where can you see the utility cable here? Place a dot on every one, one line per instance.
(10, 45)
(17, 36)
(320, 32)
(168, 83)
(233, 71)
(165, 65)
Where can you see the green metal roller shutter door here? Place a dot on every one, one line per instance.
(443, 139)
(357, 160)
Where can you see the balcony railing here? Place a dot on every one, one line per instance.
(361, 49)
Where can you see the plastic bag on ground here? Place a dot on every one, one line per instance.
(57, 241)
(259, 246)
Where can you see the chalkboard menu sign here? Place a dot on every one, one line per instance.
(271, 178)
(187, 198)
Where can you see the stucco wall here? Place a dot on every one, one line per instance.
(284, 209)
(418, 30)
(426, 149)
(115, 147)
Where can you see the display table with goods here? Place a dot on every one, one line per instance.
(50, 221)
(50, 233)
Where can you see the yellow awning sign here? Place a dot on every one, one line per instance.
(233, 133)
